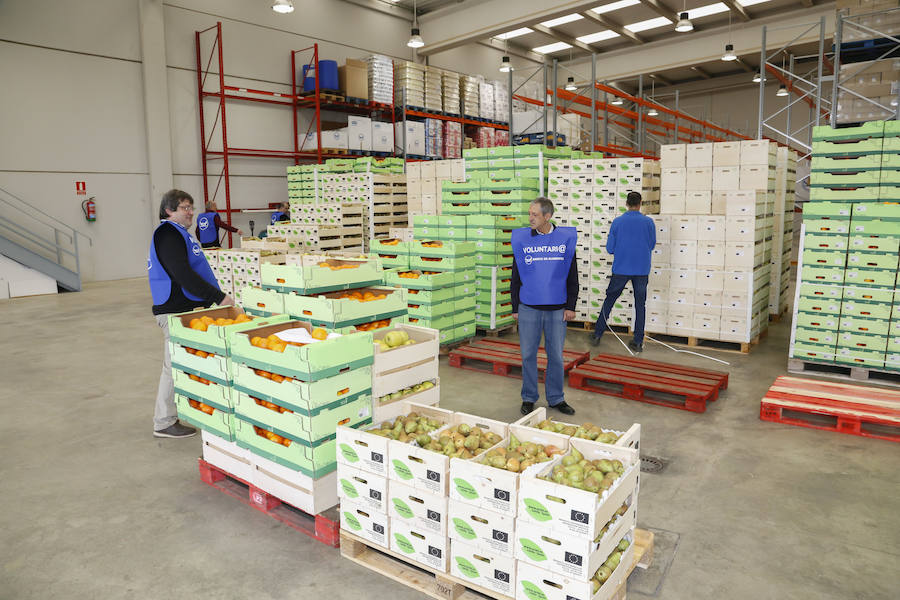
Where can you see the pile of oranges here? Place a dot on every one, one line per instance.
(201, 407)
(273, 376)
(338, 267)
(203, 323)
(271, 436)
(434, 244)
(199, 379)
(432, 259)
(361, 297)
(273, 342)
(390, 242)
(373, 325)
(199, 353)
(272, 406)
(409, 275)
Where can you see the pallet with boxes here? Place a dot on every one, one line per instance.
(847, 304)
(783, 231)
(424, 180)
(712, 269)
(237, 268)
(489, 529)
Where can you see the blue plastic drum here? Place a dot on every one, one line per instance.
(328, 77)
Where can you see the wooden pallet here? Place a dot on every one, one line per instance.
(444, 586)
(842, 371)
(325, 96)
(499, 331)
(324, 526)
(589, 326)
(690, 341)
(659, 383)
(504, 358)
(831, 406)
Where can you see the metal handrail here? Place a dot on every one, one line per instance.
(34, 238)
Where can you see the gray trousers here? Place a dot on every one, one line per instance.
(165, 413)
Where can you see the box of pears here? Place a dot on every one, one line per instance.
(492, 482)
(538, 419)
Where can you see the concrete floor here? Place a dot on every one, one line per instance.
(94, 507)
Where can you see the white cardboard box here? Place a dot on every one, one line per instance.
(383, 137)
(680, 322)
(745, 203)
(711, 254)
(420, 545)
(405, 366)
(673, 179)
(683, 228)
(719, 200)
(707, 302)
(368, 524)
(710, 279)
(683, 253)
(661, 254)
(656, 320)
(726, 178)
(683, 277)
(226, 455)
(417, 508)
(697, 202)
(681, 299)
(706, 325)
(758, 152)
(698, 179)
(699, 155)
(742, 254)
(492, 571)
(359, 133)
(740, 229)
(297, 489)
(672, 156)
(711, 229)
(757, 177)
(483, 529)
(364, 489)
(672, 202)
(726, 154)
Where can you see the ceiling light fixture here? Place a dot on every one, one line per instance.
(652, 112)
(283, 7)
(757, 78)
(684, 23)
(729, 53)
(570, 84)
(617, 101)
(505, 65)
(782, 90)
(415, 39)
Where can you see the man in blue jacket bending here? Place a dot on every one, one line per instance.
(632, 237)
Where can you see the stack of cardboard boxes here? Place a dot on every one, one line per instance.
(450, 82)
(875, 14)
(410, 77)
(424, 181)
(469, 94)
(434, 89)
(877, 81)
(783, 230)
(380, 72)
(848, 306)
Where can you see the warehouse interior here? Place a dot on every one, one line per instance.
(111, 103)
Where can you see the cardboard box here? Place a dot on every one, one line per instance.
(719, 201)
(697, 202)
(683, 277)
(383, 137)
(683, 228)
(417, 508)
(294, 487)
(227, 455)
(680, 322)
(699, 155)
(480, 528)
(711, 254)
(492, 571)
(683, 253)
(726, 154)
(711, 229)
(672, 156)
(359, 133)
(672, 202)
(698, 179)
(366, 523)
(353, 79)
(367, 490)
(757, 152)
(673, 179)
(710, 279)
(726, 178)
(419, 545)
(757, 177)
(405, 366)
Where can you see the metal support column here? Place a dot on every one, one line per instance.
(555, 99)
(675, 119)
(819, 72)
(605, 117)
(838, 37)
(640, 118)
(787, 124)
(593, 100)
(544, 99)
(762, 83)
(509, 116)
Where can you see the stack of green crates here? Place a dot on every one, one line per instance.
(309, 390)
(301, 182)
(393, 253)
(442, 294)
(491, 235)
(848, 307)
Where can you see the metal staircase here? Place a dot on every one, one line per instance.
(36, 240)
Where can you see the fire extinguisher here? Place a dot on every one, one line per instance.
(89, 207)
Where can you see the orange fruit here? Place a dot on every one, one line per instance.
(195, 322)
(319, 334)
(277, 378)
(285, 442)
(242, 318)
(277, 348)
(256, 341)
(201, 353)
(207, 319)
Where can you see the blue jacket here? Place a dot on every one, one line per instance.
(632, 237)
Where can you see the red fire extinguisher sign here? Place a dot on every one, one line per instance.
(80, 188)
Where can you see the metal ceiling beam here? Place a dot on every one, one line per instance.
(389, 9)
(701, 72)
(513, 50)
(661, 79)
(660, 8)
(737, 8)
(744, 65)
(562, 37)
(612, 26)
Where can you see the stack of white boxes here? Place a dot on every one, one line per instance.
(783, 233)
(486, 100)
(710, 276)
(237, 268)
(423, 184)
(588, 194)
(380, 78)
(329, 224)
(501, 101)
(469, 94)
(434, 89)
(415, 138)
(450, 94)
(411, 78)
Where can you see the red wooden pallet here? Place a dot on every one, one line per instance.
(504, 358)
(830, 406)
(649, 381)
(324, 527)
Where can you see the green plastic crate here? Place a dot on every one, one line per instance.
(431, 296)
(857, 194)
(426, 221)
(216, 338)
(392, 261)
(853, 324)
(461, 304)
(877, 210)
(455, 249)
(827, 210)
(484, 285)
(305, 397)
(845, 178)
(261, 302)
(215, 394)
(422, 282)
(869, 294)
(455, 233)
(822, 337)
(827, 226)
(466, 276)
(308, 429)
(427, 232)
(860, 358)
(862, 341)
(822, 353)
(889, 193)
(875, 243)
(439, 323)
(501, 247)
(431, 311)
(824, 258)
(872, 145)
(330, 308)
(818, 321)
(817, 241)
(518, 209)
(889, 176)
(461, 208)
(388, 246)
(816, 274)
(870, 129)
(219, 423)
(214, 367)
(484, 296)
(307, 363)
(867, 310)
(874, 226)
(312, 278)
(870, 277)
(834, 164)
(484, 321)
(465, 316)
(488, 234)
(872, 260)
(494, 259)
(313, 462)
(442, 263)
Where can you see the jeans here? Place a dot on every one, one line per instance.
(550, 323)
(613, 291)
(165, 414)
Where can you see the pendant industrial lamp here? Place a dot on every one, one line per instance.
(283, 6)
(570, 84)
(415, 39)
(617, 101)
(684, 23)
(652, 112)
(757, 77)
(782, 89)
(729, 47)
(505, 66)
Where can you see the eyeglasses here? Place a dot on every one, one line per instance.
(186, 207)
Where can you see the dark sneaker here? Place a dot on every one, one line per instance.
(595, 340)
(637, 348)
(176, 430)
(564, 408)
(527, 407)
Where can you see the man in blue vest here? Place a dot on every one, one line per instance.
(544, 291)
(282, 214)
(208, 225)
(632, 237)
(180, 280)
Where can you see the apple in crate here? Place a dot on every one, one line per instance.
(394, 339)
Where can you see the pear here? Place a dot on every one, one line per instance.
(434, 423)
(587, 425)
(613, 561)
(569, 460)
(472, 442)
(591, 485)
(498, 461)
(622, 510)
(444, 440)
(459, 442)
(578, 455)
(623, 545)
(604, 466)
(618, 466)
(465, 454)
(512, 465)
(595, 586)
(559, 476)
(514, 442)
(569, 430)
(602, 574)
(423, 440)
(525, 464)
(464, 429)
(531, 449)
(558, 427)
(410, 426)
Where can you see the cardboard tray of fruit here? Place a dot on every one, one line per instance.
(431, 311)
(483, 482)
(551, 497)
(206, 417)
(537, 419)
(312, 461)
(311, 362)
(419, 279)
(307, 429)
(429, 297)
(209, 329)
(392, 246)
(536, 582)
(210, 366)
(442, 263)
(392, 261)
(427, 393)
(200, 388)
(317, 274)
(488, 531)
(262, 302)
(417, 508)
(404, 355)
(347, 307)
(368, 448)
(307, 397)
(364, 489)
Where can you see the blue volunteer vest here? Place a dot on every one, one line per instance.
(543, 262)
(277, 215)
(206, 228)
(161, 283)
